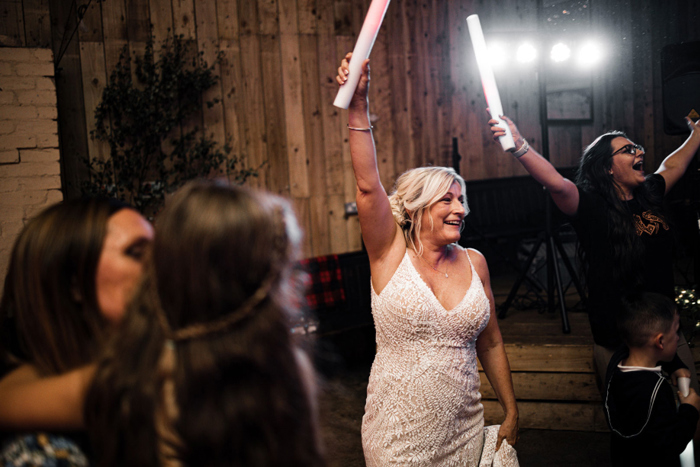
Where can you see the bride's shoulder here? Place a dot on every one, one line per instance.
(478, 260)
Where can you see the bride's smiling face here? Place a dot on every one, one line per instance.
(442, 221)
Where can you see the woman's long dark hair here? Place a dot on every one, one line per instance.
(594, 176)
(204, 370)
(49, 314)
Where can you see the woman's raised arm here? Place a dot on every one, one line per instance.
(376, 219)
(674, 166)
(563, 191)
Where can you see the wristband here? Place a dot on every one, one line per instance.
(523, 149)
(360, 129)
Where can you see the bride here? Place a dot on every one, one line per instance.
(433, 311)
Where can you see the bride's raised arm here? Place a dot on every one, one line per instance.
(376, 220)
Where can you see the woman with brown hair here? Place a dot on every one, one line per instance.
(204, 370)
(72, 270)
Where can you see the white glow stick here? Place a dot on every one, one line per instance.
(365, 41)
(488, 81)
(688, 455)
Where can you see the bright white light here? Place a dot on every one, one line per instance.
(560, 52)
(590, 54)
(497, 55)
(526, 53)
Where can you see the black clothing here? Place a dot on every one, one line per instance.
(641, 412)
(604, 291)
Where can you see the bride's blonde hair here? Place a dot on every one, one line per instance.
(415, 191)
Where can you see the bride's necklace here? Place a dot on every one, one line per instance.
(434, 268)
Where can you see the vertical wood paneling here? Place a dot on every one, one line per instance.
(381, 97)
(277, 167)
(71, 107)
(254, 147)
(404, 149)
(227, 16)
(297, 157)
(115, 32)
(184, 22)
(38, 21)
(268, 15)
(138, 20)
(328, 57)
(313, 129)
(233, 104)
(161, 14)
(208, 45)
(277, 86)
(91, 25)
(308, 15)
(12, 26)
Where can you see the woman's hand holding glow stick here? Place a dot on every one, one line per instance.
(363, 47)
(488, 81)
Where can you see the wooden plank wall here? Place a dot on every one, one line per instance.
(277, 85)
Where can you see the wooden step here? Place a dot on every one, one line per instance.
(571, 416)
(579, 387)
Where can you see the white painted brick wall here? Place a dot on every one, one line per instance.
(29, 158)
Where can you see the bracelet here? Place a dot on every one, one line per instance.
(360, 129)
(523, 149)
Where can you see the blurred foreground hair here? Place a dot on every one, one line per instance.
(205, 371)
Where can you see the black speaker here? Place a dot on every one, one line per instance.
(680, 75)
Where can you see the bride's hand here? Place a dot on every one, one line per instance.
(508, 431)
(362, 90)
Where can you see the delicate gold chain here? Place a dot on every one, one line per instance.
(434, 268)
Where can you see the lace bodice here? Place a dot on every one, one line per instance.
(423, 403)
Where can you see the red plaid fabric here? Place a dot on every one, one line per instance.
(325, 289)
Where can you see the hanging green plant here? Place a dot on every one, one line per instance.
(146, 116)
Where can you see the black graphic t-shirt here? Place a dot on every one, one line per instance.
(604, 292)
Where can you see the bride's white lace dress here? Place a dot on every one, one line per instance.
(423, 403)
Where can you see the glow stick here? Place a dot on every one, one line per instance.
(365, 41)
(688, 455)
(488, 81)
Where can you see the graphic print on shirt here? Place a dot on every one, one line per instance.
(649, 223)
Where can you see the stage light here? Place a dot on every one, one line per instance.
(560, 52)
(590, 54)
(526, 53)
(497, 55)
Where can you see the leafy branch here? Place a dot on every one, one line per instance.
(146, 116)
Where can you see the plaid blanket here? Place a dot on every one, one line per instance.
(325, 288)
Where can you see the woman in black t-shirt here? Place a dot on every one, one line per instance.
(617, 213)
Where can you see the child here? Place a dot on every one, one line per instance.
(647, 429)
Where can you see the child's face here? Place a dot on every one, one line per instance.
(671, 338)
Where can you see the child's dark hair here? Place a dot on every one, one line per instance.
(643, 315)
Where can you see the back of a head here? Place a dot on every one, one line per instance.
(49, 299)
(220, 277)
(644, 315)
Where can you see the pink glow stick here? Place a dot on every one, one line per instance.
(488, 81)
(365, 41)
